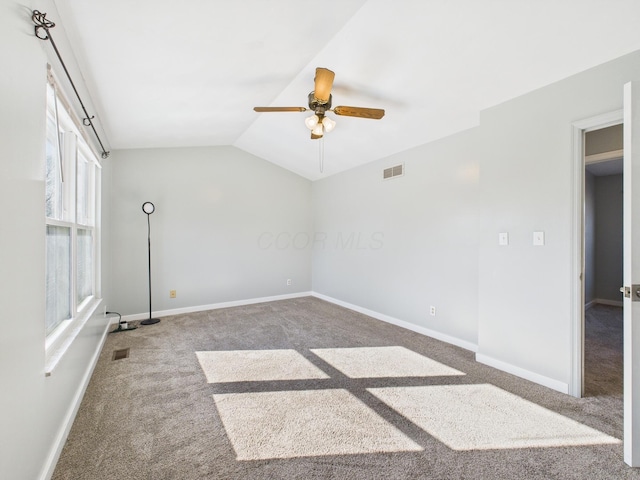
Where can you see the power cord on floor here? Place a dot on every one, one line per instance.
(123, 325)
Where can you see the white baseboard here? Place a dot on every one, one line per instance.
(611, 303)
(590, 304)
(400, 323)
(522, 373)
(63, 433)
(492, 362)
(213, 306)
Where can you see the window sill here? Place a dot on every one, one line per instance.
(57, 344)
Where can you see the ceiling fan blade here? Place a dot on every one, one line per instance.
(279, 109)
(324, 82)
(315, 137)
(374, 113)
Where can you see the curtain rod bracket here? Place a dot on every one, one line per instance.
(42, 23)
(42, 26)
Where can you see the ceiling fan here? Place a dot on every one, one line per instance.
(320, 104)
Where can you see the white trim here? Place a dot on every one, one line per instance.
(400, 323)
(576, 283)
(600, 121)
(611, 303)
(522, 373)
(578, 129)
(602, 301)
(214, 306)
(58, 342)
(63, 433)
(603, 157)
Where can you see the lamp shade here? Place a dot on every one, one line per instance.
(148, 208)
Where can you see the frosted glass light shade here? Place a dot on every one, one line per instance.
(311, 121)
(328, 124)
(317, 130)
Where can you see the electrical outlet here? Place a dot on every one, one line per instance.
(172, 294)
(432, 311)
(288, 282)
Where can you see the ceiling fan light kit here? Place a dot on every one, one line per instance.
(311, 121)
(328, 124)
(317, 130)
(320, 103)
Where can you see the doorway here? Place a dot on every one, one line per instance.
(578, 271)
(630, 116)
(603, 262)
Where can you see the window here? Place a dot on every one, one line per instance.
(71, 209)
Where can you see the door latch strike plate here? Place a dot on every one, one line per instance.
(627, 292)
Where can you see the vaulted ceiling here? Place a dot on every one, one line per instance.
(164, 73)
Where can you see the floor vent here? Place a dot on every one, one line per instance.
(120, 354)
(395, 171)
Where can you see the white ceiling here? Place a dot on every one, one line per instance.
(603, 169)
(166, 73)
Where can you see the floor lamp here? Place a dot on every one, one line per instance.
(149, 208)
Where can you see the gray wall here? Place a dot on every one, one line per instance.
(608, 265)
(589, 237)
(228, 226)
(526, 177)
(441, 234)
(35, 409)
(414, 237)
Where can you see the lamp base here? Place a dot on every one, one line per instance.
(149, 321)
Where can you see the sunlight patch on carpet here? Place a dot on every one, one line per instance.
(257, 366)
(483, 417)
(380, 362)
(306, 423)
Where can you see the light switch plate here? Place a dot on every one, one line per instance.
(538, 238)
(503, 238)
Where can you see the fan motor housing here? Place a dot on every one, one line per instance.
(318, 107)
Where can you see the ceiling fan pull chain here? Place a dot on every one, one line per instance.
(321, 154)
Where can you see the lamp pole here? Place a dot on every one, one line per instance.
(149, 208)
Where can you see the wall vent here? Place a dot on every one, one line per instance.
(395, 171)
(120, 354)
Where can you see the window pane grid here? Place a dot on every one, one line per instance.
(53, 180)
(58, 276)
(84, 265)
(70, 212)
(85, 190)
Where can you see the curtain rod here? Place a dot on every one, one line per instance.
(41, 23)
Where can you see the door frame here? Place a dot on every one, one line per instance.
(579, 128)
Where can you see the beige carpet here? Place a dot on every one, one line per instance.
(257, 365)
(306, 423)
(482, 417)
(340, 395)
(381, 362)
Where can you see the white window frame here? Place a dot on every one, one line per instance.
(74, 146)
